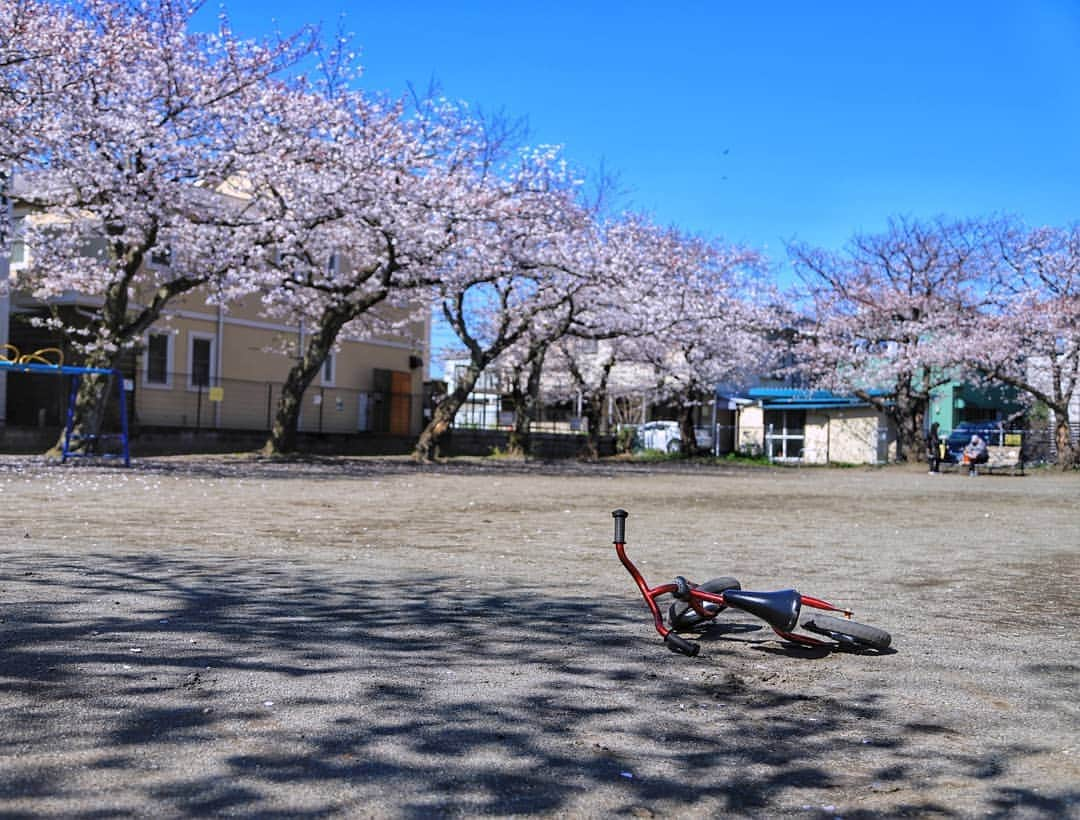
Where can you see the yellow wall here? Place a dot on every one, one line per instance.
(255, 357)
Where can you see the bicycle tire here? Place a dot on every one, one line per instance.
(682, 616)
(849, 633)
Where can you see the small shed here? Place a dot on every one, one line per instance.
(814, 427)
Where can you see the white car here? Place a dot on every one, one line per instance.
(666, 437)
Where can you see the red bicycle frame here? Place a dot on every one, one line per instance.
(779, 609)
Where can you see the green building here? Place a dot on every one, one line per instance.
(955, 402)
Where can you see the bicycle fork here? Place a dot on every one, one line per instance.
(675, 643)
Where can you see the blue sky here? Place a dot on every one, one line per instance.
(759, 122)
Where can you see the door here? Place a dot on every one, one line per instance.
(400, 402)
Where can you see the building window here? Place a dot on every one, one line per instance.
(785, 434)
(157, 360)
(161, 256)
(201, 361)
(20, 254)
(328, 370)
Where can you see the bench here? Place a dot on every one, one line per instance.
(999, 457)
(1004, 457)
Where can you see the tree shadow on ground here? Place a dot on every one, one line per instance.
(194, 686)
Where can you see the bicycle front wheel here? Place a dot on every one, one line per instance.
(682, 616)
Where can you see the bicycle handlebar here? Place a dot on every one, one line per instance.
(677, 643)
(620, 517)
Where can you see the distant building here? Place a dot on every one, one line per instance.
(812, 427)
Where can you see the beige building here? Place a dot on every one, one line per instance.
(797, 426)
(222, 367)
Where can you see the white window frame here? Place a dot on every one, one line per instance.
(785, 437)
(169, 354)
(192, 337)
(331, 360)
(18, 237)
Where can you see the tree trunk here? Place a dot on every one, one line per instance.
(427, 446)
(517, 443)
(594, 418)
(594, 408)
(283, 432)
(909, 436)
(1067, 456)
(90, 400)
(525, 403)
(93, 393)
(907, 410)
(687, 435)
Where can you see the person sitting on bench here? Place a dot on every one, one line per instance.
(975, 453)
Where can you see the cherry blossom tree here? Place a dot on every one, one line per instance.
(714, 313)
(588, 370)
(886, 314)
(1029, 337)
(514, 278)
(622, 276)
(124, 160)
(37, 43)
(664, 314)
(369, 203)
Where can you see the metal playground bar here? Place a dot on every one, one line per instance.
(50, 361)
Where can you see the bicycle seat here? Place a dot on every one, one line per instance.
(779, 609)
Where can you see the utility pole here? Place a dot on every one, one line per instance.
(6, 227)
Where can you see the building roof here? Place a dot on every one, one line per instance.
(787, 398)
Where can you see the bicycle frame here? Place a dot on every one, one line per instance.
(779, 609)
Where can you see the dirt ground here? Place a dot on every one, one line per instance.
(367, 638)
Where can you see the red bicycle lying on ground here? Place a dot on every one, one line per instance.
(697, 603)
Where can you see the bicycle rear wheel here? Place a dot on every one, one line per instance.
(682, 616)
(849, 634)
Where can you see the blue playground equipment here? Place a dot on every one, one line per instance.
(40, 362)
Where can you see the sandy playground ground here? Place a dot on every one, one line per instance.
(368, 638)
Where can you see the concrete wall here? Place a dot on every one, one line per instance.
(750, 430)
(853, 437)
(545, 445)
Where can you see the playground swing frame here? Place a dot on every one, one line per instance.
(38, 362)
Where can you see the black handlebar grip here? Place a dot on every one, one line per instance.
(677, 643)
(620, 525)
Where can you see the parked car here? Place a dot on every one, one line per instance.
(992, 432)
(666, 436)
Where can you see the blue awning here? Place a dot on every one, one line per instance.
(787, 398)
